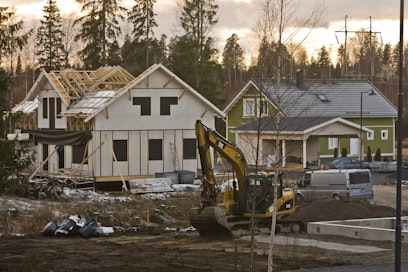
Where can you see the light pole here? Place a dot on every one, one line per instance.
(370, 92)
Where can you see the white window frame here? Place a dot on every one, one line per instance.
(384, 134)
(333, 143)
(370, 135)
(248, 111)
(264, 106)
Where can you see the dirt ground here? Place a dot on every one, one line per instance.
(153, 234)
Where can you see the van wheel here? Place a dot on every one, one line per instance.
(336, 197)
(299, 201)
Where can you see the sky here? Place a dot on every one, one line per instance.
(239, 16)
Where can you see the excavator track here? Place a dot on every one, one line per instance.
(210, 221)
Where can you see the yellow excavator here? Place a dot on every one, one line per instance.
(251, 195)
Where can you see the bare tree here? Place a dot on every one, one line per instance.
(281, 23)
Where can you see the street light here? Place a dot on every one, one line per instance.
(370, 92)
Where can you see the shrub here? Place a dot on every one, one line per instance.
(336, 152)
(377, 156)
(369, 155)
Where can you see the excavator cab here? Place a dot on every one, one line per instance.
(260, 188)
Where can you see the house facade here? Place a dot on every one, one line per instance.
(112, 126)
(312, 119)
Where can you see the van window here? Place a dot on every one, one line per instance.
(359, 177)
(306, 181)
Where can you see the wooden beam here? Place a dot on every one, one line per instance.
(44, 162)
(83, 161)
(116, 162)
(184, 92)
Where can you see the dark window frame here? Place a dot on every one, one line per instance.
(79, 152)
(165, 104)
(59, 104)
(144, 103)
(45, 107)
(155, 149)
(120, 147)
(189, 149)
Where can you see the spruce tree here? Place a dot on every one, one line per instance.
(100, 29)
(15, 157)
(49, 46)
(142, 49)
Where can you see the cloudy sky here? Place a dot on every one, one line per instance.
(239, 16)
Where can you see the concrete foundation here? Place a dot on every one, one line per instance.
(376, 229)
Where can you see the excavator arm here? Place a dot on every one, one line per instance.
(206, 138)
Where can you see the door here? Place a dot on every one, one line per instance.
(355, 147)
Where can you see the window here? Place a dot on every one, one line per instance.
(333, 143)
(45, 107)
(249, 107)
(79, 152)
(59, 108)
(189, 149)
(370, 135)
(263, 107)
(155, 150)
(120, 149)
(144, 103)
(384, 134)
(165, 103)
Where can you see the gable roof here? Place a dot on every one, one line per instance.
(144, 75)
(337, 97)
(295, 125)
(72, 85)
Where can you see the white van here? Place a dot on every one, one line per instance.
(344, 184)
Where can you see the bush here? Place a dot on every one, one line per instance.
(336, 152)
(377, 156)
(369, 155)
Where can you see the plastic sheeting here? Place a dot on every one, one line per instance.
(60, 137)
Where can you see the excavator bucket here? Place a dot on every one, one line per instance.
(210, 221)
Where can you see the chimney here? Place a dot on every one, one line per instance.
(299, 78)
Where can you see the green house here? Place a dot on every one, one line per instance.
(311, 120)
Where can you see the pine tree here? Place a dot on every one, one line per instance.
(233, 60)
(50, 50)
(193, 55)
(100, 29)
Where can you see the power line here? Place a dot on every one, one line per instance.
(346, 31)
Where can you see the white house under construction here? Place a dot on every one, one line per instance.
(111, 126)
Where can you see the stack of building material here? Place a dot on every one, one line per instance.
(150, 185)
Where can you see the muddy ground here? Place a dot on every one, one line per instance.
(153, 234)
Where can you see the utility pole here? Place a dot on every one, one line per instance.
(345, 62)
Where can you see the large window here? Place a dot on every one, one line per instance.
(189, 149)
(79, 153)
(144, 103)
(249, 107)
(155, 149)
(165, 103)
(120, 149)
(333, 143)
(263, 107)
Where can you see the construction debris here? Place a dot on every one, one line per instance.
(76, 225)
